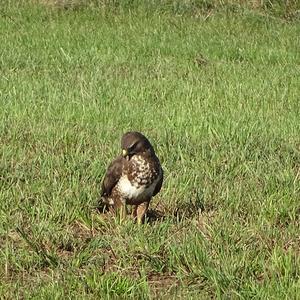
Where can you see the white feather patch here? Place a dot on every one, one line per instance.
(130, 191)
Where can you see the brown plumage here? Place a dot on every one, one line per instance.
(134, 177)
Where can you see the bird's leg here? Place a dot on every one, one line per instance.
(134, 210)
(123, 212)
(120, 208)
(141, 210)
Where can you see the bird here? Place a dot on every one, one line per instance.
(133, 177)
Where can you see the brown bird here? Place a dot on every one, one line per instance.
(134, 177)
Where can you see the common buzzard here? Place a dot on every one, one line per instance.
(134, 177)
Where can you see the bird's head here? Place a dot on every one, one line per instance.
(133, 143)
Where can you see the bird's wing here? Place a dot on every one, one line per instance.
(159, 183)
(112, 176)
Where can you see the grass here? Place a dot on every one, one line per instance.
(218, 95)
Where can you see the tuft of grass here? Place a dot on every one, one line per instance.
(215, 87)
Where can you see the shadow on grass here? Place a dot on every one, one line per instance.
(180, 211)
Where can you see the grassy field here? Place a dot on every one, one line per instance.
(217, 92)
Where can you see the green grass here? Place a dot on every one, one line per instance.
(218, 95)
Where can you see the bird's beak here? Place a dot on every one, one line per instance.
(124, 152)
